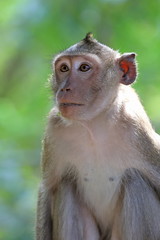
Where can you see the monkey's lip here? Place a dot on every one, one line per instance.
(70, 104)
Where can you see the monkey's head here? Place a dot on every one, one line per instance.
(87, 78)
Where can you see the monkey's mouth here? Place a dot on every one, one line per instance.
(70, 104)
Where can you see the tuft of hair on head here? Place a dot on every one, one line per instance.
(88, 38)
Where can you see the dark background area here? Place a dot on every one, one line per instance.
(31, 32)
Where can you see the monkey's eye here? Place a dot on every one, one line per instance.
(84, 67)
(64, 68)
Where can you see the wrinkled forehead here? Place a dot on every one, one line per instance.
(72, 55)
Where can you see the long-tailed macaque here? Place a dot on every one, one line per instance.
(101, 156)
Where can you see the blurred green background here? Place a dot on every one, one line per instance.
(31, 32)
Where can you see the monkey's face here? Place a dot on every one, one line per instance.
(87, 78)
(81, 86)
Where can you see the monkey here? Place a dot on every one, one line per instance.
(101, 155)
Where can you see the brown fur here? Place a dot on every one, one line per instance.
(101, 156)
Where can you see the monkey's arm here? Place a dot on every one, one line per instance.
(138, 204)
(61, 216)
(71, 219)
(44, 221)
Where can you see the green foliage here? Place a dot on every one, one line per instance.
(32, 31)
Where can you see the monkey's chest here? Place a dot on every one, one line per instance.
(99, 180)
(99, 165)
(99, 173)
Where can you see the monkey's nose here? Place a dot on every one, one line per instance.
(67, 89)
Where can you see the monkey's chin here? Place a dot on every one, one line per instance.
(71, 110)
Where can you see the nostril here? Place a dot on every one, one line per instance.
(65, 89)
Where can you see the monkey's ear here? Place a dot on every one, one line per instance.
(127, 65)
